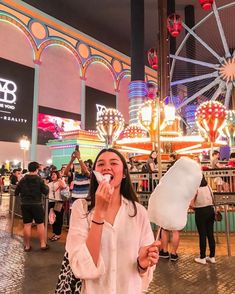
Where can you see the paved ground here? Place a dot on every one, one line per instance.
(36, 272)
(186, 276)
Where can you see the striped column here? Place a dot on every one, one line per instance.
(137, 93)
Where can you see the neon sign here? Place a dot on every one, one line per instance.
(7, 91)
(100, 109)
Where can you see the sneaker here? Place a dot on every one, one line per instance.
(200, 260)
(174, 257)
(164, 254)
(210, 259)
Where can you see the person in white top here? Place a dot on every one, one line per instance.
(56, 204)
(204, 217)
(111, 247)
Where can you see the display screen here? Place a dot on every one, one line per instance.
(94, 97)
(16, 100)
(51, 122)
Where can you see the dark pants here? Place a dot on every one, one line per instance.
(204, 217)
(57, 226)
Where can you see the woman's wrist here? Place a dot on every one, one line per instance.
(98, 217)
(140, 267)
(100, 223)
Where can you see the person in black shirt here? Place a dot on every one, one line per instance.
(15, 176)
(3, 170)
(31, 188)
(173, 159)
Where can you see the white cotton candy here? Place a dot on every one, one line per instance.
(169, 202)
(101, 177)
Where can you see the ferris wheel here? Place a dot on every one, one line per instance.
(203, 66)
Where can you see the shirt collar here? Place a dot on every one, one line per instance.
(125, 201)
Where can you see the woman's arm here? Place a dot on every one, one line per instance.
(152, 166)
(80, 259)
(93, 241)
(62, 184)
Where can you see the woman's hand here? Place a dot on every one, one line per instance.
(149, 255)
(102, 199)
(62, 184)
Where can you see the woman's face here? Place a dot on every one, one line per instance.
(154, 155)
(110, 163)
(54, 177)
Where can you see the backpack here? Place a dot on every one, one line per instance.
(145, 168)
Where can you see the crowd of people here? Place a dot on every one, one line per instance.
(106, 218)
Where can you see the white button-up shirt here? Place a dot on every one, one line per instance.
(116, 271)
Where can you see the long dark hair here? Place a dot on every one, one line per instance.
(203, 182)
(126, 190)
(150, 156)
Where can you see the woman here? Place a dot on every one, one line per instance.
(56, 204)
(111, 248)
(152, 161)
(204, 217)
(231, 162)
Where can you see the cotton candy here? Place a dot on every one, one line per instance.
(101, 177)
(169, 202)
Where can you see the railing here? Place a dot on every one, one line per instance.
(222, 182)
(145, 183)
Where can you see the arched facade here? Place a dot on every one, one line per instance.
(65, 60)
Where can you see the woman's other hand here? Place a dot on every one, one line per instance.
(149, 255)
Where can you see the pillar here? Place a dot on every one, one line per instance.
(137, 86)
(33, 149)
(83, 102)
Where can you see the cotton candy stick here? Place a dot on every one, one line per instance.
(169, 202)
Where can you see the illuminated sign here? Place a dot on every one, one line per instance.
(100, 109)
(94, 105)
(7, 95)
(7, 91)
(16, 100)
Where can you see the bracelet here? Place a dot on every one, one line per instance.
(97, 223)
(139, 266)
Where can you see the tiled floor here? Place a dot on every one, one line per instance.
(36, 272)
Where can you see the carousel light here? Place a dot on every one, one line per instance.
(148, 118)
(146, 115)
(153, 58)
(109, 125)
(210, 117)
(174, 24)
(206, 4)
(229, 128)
(133, 131)
(169, 110)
